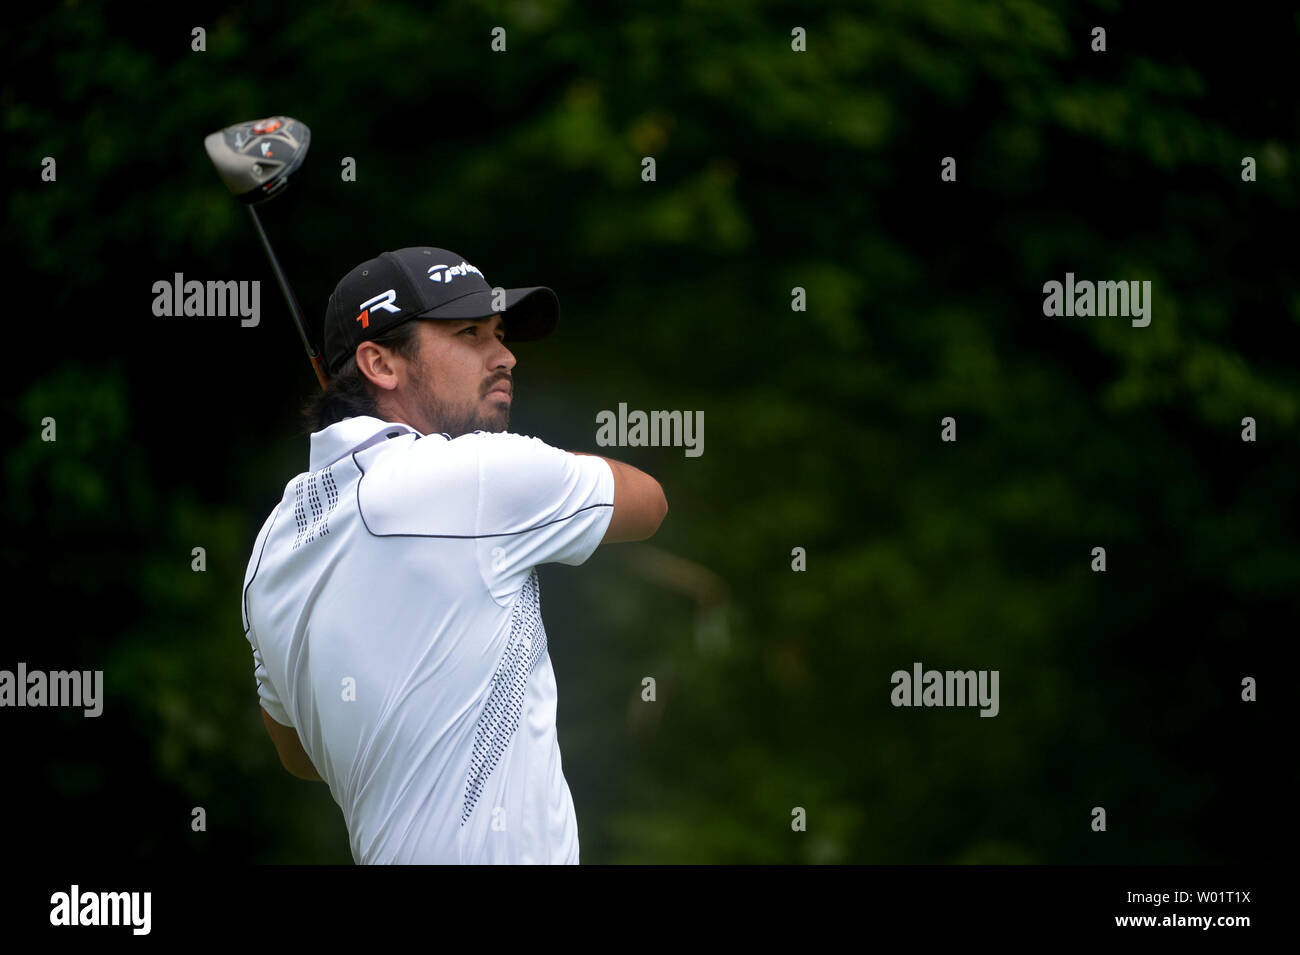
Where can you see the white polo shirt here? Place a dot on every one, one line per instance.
(391, 602)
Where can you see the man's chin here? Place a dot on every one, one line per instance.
(488, 415)
(496, 421)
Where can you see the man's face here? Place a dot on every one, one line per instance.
(461, 380)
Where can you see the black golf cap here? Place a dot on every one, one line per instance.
(425, 282)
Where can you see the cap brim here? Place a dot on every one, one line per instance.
(530, 313)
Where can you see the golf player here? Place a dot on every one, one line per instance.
(391, 598)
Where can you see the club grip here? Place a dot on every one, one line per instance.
(319, 365)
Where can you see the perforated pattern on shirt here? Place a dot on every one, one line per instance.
(318, 524)
(499, 720)
(299, 515)
(331, 498)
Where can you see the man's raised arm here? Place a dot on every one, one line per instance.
(639, 503)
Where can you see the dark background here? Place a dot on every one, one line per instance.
(775, 169)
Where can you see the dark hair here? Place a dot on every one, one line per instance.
(350, 392)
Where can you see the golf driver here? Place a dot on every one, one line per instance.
(255, 161)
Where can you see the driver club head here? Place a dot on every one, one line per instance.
(256, 159)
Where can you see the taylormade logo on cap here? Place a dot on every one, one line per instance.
(445, 273)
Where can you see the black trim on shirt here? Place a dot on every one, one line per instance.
(274, 518)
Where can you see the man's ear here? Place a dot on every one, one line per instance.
(376, 364)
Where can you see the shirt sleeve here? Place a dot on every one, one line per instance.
(538, 504)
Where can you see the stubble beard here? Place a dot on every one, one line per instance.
(454, 422)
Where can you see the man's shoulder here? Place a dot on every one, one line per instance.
(439, 474)
(498, 439)
(494, 446)
(423, 486)
(485, 449)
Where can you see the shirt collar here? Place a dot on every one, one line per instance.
(351, 434)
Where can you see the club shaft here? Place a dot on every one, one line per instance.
(317, 364)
